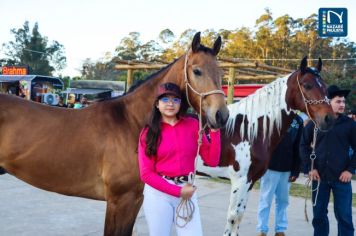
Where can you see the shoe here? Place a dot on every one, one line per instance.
(279, 234)
(262, 234)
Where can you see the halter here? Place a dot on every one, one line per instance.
(311, 102)
(313, 145)
(186, 207)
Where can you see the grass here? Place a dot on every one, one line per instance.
(296, 190)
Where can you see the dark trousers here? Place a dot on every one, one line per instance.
(342, 193)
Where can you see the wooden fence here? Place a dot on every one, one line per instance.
(235, 70)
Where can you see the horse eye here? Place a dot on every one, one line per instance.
(197, 72)
(308, 86)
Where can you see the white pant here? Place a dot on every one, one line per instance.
(160, 212)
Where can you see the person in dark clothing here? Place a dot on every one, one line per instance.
(333, 167)
(284, 167)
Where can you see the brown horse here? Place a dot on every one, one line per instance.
(91, 152)
(256, 126)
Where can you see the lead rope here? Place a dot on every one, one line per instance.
(308, 183)
(185, 209)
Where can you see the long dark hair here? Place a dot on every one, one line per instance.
(153, 137)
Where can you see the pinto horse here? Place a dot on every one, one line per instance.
(257, 124)
(91, 152)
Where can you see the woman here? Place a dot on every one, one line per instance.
(167, 150)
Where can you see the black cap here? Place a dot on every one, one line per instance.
(168, 88)
(334, 91)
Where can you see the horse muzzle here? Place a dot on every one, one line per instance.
(218, 118)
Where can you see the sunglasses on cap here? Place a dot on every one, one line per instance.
(172, 100)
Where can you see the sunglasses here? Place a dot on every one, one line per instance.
(172, 100)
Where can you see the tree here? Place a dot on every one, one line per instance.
(100, 70)
(33, 49)
(129, 47)
(264, 35)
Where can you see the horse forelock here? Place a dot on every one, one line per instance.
(205, 49)
(267, 102)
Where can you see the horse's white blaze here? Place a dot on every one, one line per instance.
(239, 188)
(266, 102)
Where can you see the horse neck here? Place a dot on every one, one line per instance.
(276, 137)
(265, 104)
(139, 103)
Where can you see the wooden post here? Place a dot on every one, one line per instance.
(231, 83)
(129, 79)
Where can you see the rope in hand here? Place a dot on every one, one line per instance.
(186, 208)
(308, 183)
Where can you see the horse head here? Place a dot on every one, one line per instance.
(307, 93)
(202, 83)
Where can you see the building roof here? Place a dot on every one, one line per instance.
(85, 91)
(15, 78)
(98, 84)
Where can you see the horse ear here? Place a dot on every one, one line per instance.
(217, 46)
(319, 65)
(303, 65)
(196, 42)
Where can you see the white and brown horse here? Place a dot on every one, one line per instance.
(255, 127)
(91, 152)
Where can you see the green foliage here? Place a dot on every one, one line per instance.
(32, 49)
(101, 70)
(271, 40)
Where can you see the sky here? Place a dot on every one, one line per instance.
(89, 29)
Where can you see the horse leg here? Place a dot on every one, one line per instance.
(121, 214)
(239, 189)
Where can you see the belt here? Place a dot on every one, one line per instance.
(178, 179)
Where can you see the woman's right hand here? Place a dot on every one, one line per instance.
(187, 191)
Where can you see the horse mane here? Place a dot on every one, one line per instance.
(138, 83)
(266, 102)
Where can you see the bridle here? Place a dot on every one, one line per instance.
(185, 209)
(309, 101)
(189, 86)
(313, 144)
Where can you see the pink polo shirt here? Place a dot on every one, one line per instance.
(176, 154)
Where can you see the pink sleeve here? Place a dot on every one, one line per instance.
(210, 152)
(147, 170)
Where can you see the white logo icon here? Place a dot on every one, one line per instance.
(336, 14)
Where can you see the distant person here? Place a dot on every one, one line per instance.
(84, 102)
(352, 114)
(61, 102)
(77, 104)
(333, 167)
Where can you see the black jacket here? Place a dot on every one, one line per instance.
(332, 149)
(286, 155)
